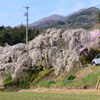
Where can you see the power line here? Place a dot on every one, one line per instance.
(12, 19)
(41, 2)
(37, 2)
(14, 15)
(20, 18)
(57, 7)
(9, 17)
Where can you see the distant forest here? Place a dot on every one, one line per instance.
(16, 35)
(85, 19)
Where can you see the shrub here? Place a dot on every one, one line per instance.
(46, 83)
(70, 77)
(8, 80)
(67, 82)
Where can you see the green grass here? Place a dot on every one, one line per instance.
(30, 79)
(48, 83)
(79, 78)
(45, 96)
(43, 73)
(90, 80)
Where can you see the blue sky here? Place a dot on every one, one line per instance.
(12, 11)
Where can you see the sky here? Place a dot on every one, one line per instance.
(12, 11)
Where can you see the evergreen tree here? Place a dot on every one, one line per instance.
(99, 18)
(16, 35)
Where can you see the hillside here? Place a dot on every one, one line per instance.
(46, 21)
(84, 19)
(53, 59)
(55, 49)
(79, 78)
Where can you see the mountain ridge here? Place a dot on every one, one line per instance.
(52, 18)
(85, 19)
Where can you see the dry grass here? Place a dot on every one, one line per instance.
(63, 91)
(46, 95)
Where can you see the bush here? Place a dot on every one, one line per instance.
(8, 80)
(46, 83)
(70, 77)
(67, 82)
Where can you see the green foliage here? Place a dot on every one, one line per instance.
(30, 78)
(42, 84)
(56, 24)
(90, 80)
(22, 82)
(84, 19)
(42, 74)
(99, 18)
(67, 82)
(16, 35)
(70, 77)
(8, 80)
(64, 82)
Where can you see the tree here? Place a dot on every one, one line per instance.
(16, 35)
(99, 18)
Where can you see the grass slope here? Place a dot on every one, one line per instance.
(84, 77)
(80, 77)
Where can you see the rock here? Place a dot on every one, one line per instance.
(54, 48)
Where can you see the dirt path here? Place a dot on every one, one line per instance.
(64, 91)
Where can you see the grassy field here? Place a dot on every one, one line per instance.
(83, 76)
(46, 96)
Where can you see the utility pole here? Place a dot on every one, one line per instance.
(26, 14)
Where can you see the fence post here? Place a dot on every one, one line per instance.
(98, 84)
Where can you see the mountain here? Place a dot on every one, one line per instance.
(46, 21)
(83, 19)
(76, 12)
